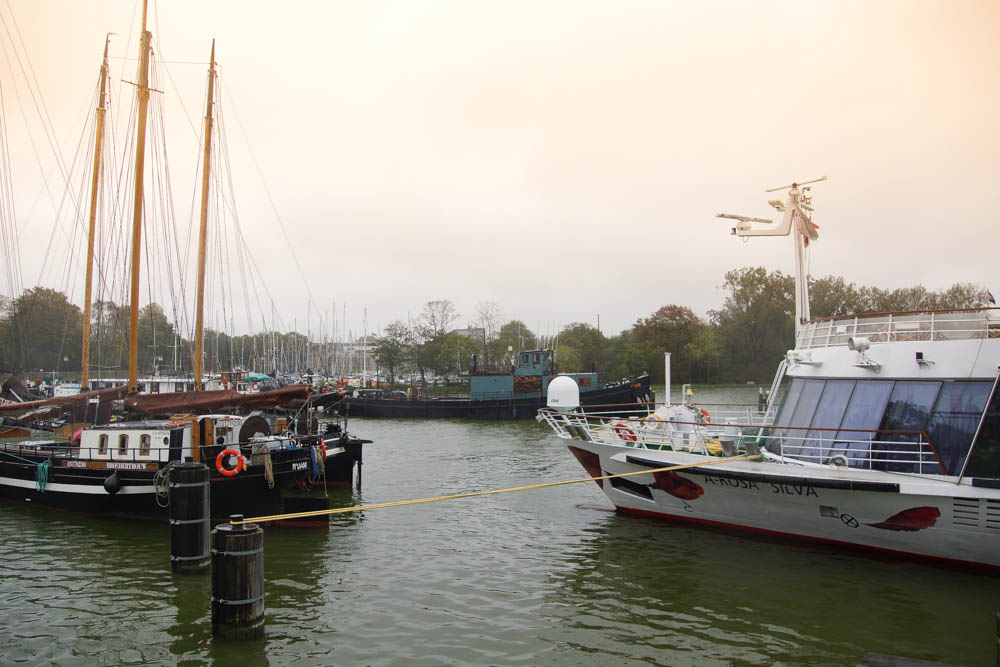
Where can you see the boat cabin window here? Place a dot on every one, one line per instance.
(144, 444)
(122, 444)
(956, 418)
(985, 459)
(908, 410)
(842, 416)
(102, 444)
(864, 412)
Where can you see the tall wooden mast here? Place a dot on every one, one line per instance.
(94, 186)
(140, 155)
(203, 229)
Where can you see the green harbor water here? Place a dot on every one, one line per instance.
(543, 577)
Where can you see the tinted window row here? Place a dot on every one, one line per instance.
(838, 417)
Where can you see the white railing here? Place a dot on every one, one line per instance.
(890, 451)
(930, 325)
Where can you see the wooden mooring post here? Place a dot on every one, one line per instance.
(238, 580)
(190, 523)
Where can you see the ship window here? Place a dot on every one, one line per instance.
(801, 415)
(864, 411)
(102, 444)
(829, 414)
(144, 444)
(985, 459)
(955, 419)
(123, 444)
(908, 410)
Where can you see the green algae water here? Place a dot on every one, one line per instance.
(542, 577)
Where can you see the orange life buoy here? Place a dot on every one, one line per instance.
(624, 432)
(255, 386)
(241, 463)
(704, 413)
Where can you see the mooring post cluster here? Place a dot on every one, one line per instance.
(235, 552)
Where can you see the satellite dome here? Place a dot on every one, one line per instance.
(564, 394)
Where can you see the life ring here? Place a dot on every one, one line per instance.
(241, 463)
(704, 414)
(624, 432)
(838, 460)
(255, 386)
(653, 421)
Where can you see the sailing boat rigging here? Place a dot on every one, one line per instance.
(120, 469)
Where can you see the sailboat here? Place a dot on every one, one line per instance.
(120, 470)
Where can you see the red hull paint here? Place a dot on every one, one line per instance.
(805, 538)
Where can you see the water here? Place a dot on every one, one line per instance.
(543, 577)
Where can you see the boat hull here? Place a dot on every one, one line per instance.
(925, 517)
(493, 409)
(73, 485)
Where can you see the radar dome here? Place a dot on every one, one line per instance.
(564, 394)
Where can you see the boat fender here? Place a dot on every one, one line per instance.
(112, 484)
(323, 447)
(838, 460)
(624, 432)
(222, 459)
(77, 436)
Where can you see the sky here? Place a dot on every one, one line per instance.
(564, 160)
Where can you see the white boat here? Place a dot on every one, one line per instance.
(886, 435)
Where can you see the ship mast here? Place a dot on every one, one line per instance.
(797, 222)
(140, 154)
(206, 160)
(95, 183)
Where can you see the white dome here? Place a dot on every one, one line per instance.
(564, 394)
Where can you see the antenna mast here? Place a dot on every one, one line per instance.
(797, 209)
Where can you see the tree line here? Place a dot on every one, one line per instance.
(741, 341)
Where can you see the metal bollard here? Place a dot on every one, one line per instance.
(190, 522)
(238, 580)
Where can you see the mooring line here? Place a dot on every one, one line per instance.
(400, 503)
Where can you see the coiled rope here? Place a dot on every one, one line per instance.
(473, 494)
(161, 484)
(42, 476)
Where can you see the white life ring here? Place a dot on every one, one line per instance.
(838, 460)
(255, 386)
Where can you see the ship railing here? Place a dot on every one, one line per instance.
(924, 325)
(892, 451)
(735, 413)
(137, 453)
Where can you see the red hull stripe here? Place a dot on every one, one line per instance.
(806, 538)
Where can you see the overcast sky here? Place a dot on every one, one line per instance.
(563, 159)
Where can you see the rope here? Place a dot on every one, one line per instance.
(42, 476)
(401, 503)
(268, 468)
(161, 484)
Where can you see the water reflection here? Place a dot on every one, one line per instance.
(687, 594)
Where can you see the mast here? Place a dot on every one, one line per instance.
(94, 185)
(797, 223)
(140, 156)
(203, 229)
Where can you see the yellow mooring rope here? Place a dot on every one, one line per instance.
(400, 503)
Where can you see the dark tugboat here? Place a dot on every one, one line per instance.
(508, 393)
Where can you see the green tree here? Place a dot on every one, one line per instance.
(392, 347)
(754, 326)
(579, 347)
(42, 330)
(672, 329)
(512, 337)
